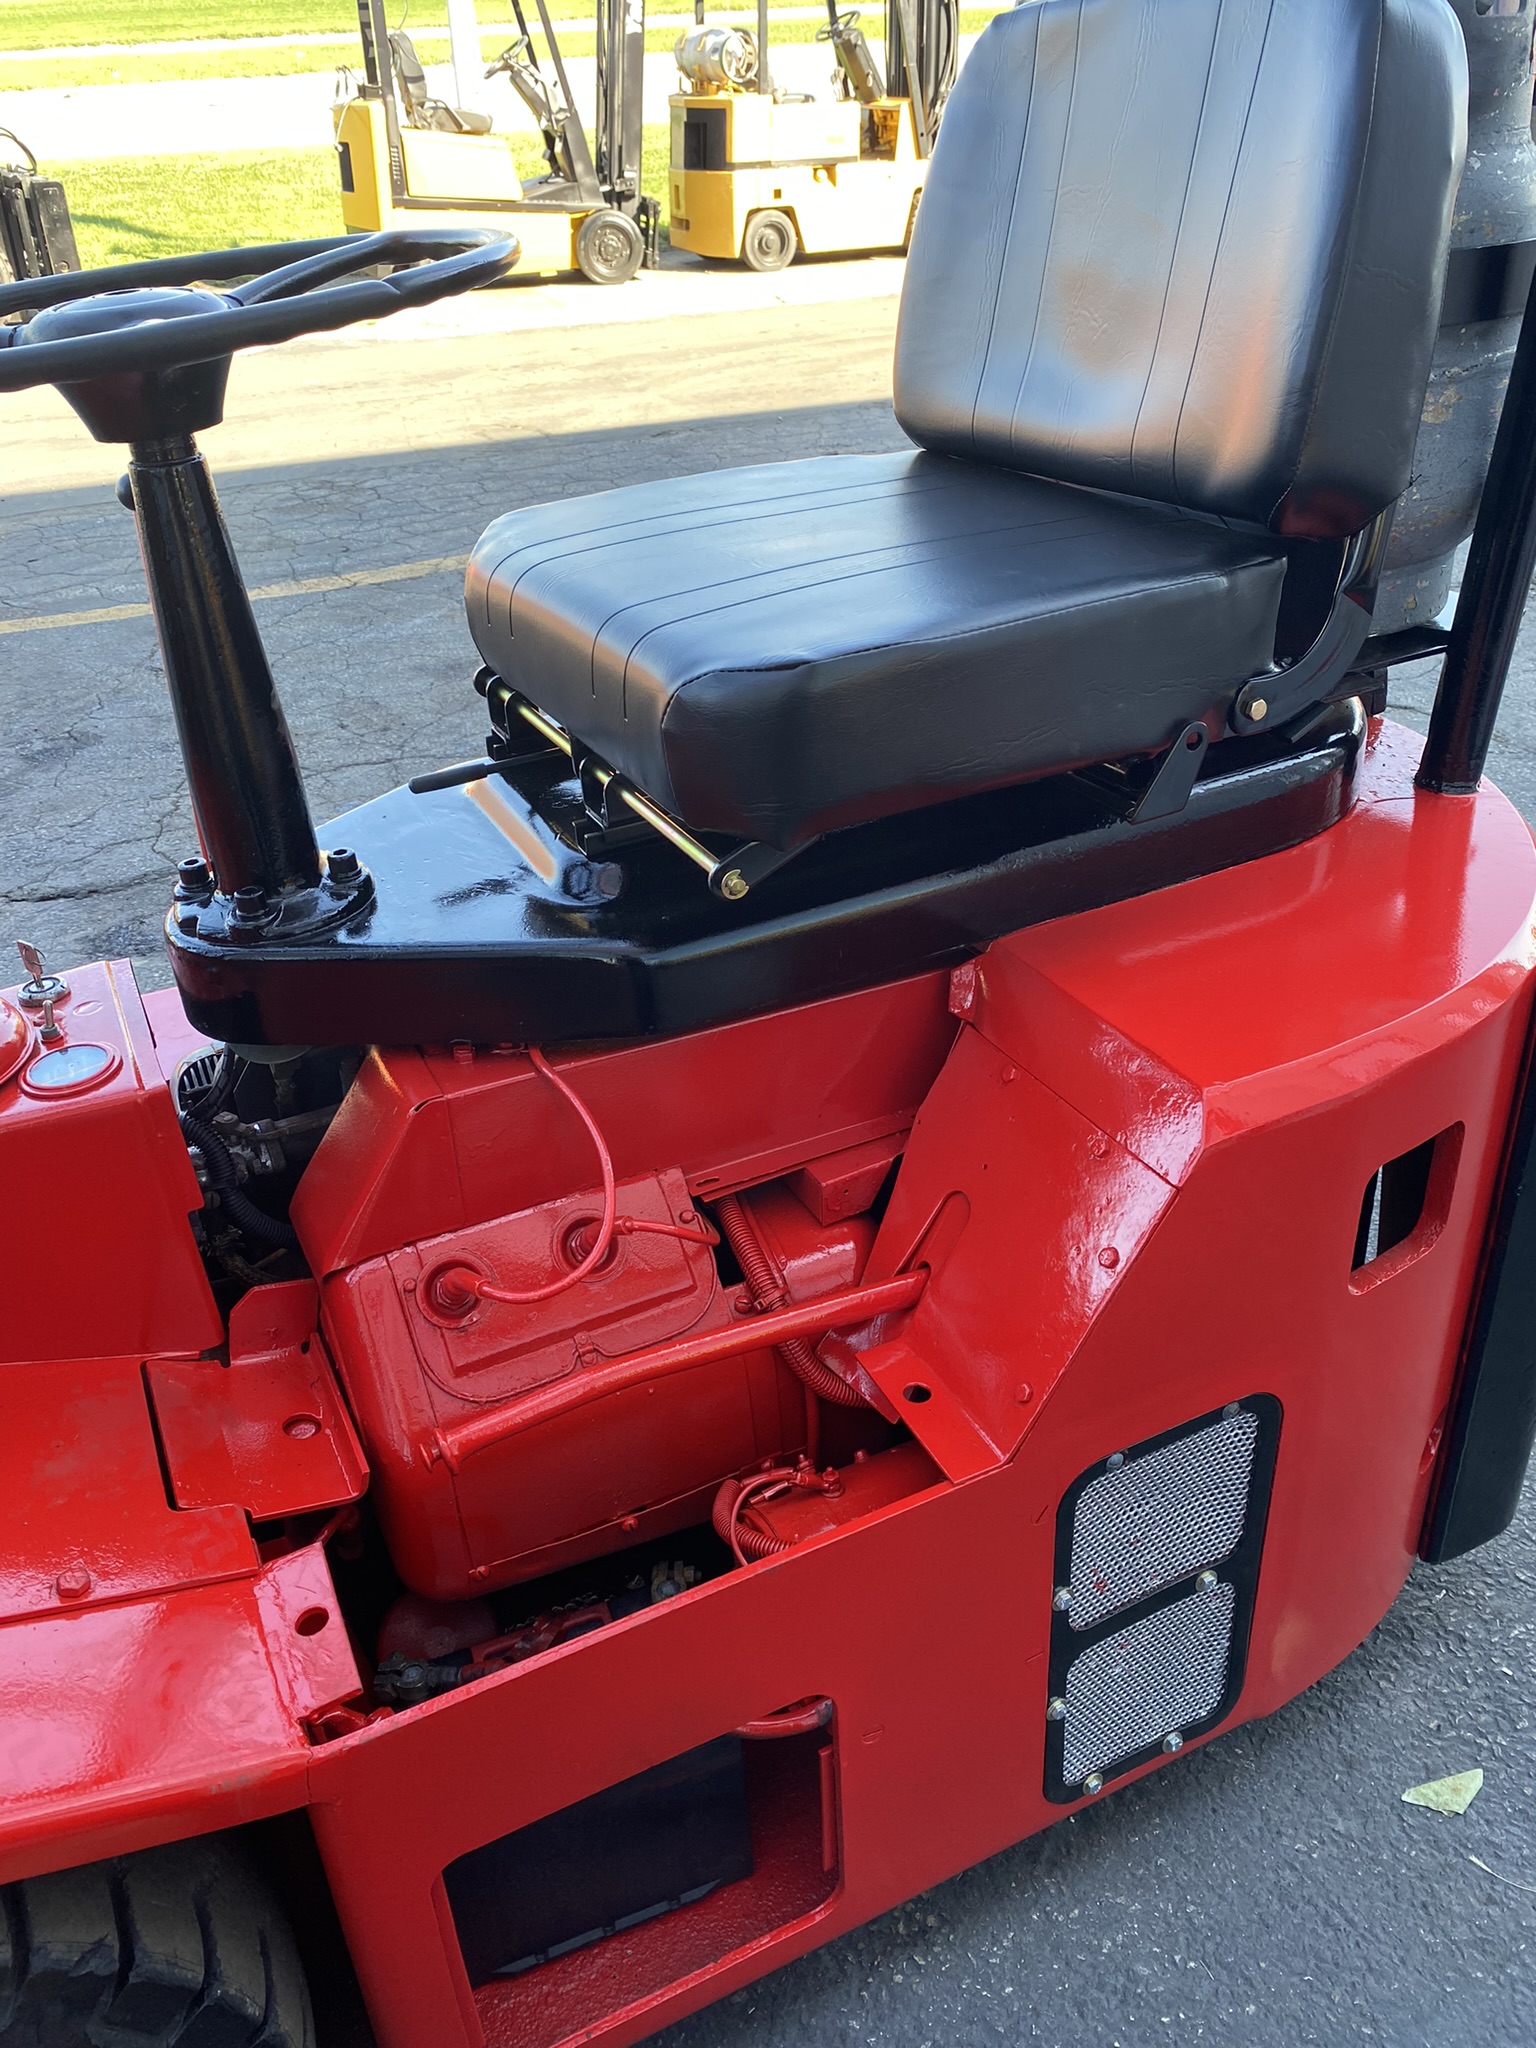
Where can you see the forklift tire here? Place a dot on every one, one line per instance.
(770, 242)
(179, 1944)
(609, 247)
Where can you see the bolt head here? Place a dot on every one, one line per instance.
(250, 905)
(1232, 1410)
(1109, 1258)
(1056, 1711)
(1061, 1599)
(73, 1583)
(1094, 1782)
(1173, 1743)
(343, 865)
(1207, 1582)
(1114, 1461)
(1258, 710)
(733, 886)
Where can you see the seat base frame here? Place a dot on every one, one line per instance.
(487, 926)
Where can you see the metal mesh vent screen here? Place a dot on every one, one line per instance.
(1163, 1673)
(1156, 1519)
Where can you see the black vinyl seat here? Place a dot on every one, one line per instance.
(1167, 323)
(776, 651)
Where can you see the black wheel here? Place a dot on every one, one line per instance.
(182, 1944)
(770, 242)
(609, 247)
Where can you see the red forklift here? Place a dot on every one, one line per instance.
(911, 1199)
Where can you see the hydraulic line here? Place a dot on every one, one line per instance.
(240, 1210)
(769, 1292)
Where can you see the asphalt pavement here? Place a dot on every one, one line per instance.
(1268, 1891)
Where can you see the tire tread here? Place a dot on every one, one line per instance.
(174, 1947)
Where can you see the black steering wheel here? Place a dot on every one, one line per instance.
(91, 324)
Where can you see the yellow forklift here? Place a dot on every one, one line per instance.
(407, 160)
(766, 175)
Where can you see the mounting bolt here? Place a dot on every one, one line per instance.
(733, 886)
(1207, 1582)
(343, 866)
(1173, 1743)
(1109, 1258)
(1257, 710)
(250, 905)
(194, 879)
(1056, 1711)
(1114, 1461)
(1232, 1410)
(73, 1583)
(1061, 1599)
(1094, 1782)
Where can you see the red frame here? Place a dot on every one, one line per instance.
(1138, 1143)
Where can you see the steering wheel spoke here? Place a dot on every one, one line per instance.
(158, 317)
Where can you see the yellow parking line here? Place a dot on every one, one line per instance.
(303, 586)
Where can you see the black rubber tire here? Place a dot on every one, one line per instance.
(609, 247)
(770, 242)
(180, 1947)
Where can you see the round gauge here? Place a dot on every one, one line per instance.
(15, 1039)
(70, 1070)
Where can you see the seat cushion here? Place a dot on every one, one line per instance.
(777, 651)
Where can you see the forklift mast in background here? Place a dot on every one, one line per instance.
(617, 127)
(922, 57)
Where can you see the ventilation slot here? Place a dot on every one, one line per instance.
(1151, 1521)
(1404, 1207)
(1157, 1560)
(1144, 1683)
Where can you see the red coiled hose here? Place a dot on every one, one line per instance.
(746, 1543)
(769, 1292)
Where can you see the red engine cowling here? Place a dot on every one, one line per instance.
(609, 1468)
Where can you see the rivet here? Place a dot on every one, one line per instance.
(1207, 1582)
(1094, 1782)
(1114, 1461)
(1023, 1393)
(1056, 1711)
(1258, 709)
(1061, 1599)
(1173, 1743)
(733, 886)
(73, 1583)
(1232, 1409)
(1109, 1258)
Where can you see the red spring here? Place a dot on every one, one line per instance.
(735, 1496)
(768, 1292)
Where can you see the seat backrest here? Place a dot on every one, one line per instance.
(1191, 250)
(409, 76)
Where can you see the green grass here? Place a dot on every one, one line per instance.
(65, 24)
(128, 208)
